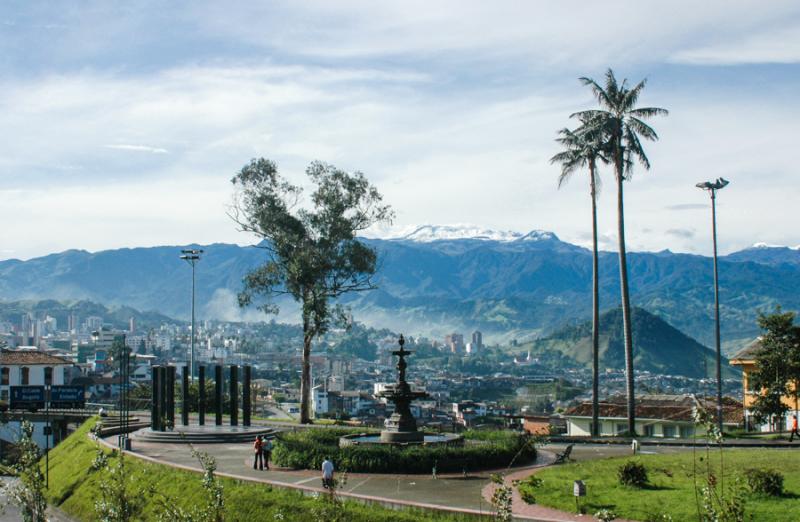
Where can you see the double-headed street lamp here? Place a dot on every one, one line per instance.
(191, 256)
(712, 187)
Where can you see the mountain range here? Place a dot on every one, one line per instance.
(439, 279)
(657, 346)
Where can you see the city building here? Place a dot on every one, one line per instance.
(477, 340)
(454, 342)
(746, 360)
(667, 416)
(31, 368)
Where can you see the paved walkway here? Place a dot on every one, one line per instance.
(469, 494)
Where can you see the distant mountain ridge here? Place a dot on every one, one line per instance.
(657, 346)
(429, 233)
(436, 281)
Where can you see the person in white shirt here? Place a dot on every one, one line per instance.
(327, 473)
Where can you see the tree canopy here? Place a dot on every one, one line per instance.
(313, 254)
(777, 365)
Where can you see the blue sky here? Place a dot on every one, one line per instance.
(123, 122)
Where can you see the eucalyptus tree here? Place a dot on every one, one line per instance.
(624, 127)
(584, 147)
(313, 254)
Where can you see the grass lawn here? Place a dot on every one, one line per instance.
(74, 488)
(671, 490)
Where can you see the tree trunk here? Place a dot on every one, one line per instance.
(626, 303)
(305, 375)
(595, 310)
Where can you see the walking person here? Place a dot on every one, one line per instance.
(266, 448)
(258, 462)
(794, 428)
(327, 473)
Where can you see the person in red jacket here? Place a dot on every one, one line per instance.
(794, 428)
(258, 463)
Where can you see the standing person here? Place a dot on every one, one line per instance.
(266, 447)
(794, 428)
(327, 473)
(258, 462)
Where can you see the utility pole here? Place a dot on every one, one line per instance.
(712, 187)
(192, 256)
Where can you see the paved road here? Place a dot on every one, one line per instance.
(447, 491)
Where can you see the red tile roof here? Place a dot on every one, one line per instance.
(29, 358)
(679, 408)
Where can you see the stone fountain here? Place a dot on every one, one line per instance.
(401, 427)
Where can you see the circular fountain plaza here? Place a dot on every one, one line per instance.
(401, 427)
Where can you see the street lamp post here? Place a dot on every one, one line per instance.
(191, 256)
(712, 187)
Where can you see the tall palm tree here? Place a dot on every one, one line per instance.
(584, 147)
(624, 127)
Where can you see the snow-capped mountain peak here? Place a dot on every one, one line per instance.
(767, 245)
(429, 233)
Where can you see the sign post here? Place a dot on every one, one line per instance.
(579, 490)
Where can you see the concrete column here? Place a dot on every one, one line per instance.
(246, 397)
(171, 395)
(155, 414)
(162, 398)
(201, 404)
(234, 395)
(185, 394)
(218, 394)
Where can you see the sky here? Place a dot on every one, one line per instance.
(123, 122)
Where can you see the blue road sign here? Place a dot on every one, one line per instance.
(27, 397)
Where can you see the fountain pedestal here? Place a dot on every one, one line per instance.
(401, 425)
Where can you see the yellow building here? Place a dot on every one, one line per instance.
(746, 360)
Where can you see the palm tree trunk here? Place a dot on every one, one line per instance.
(595, 310)
(626, 303)
(305, 375)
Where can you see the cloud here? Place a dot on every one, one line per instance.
(138, 148)
(452, 117)
(773, 45)
(683, 233)
(687, 206)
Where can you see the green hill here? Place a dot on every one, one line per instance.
(657, 346)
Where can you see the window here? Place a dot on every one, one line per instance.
(751, 387)
(649, 430)
(4, 373)
(669, 431)
(621, 428)
(48, 376)
(24, 376)
(686, 432)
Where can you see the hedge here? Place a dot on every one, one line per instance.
(307, 450)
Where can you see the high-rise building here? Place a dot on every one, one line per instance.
(72, 322)
(477, 340)
(94, 323)
(454, 342)
(132, 325)
(25, 326)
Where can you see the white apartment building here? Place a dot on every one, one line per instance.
(31, 368)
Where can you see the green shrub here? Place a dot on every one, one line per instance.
(632, 473)
(527, 488)
(308, 448)
(765, 481)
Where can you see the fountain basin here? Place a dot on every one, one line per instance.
(420, 439)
